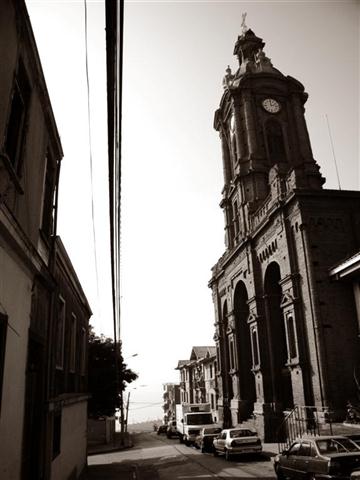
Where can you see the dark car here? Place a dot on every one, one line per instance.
(322, 457)
(204, 440)
(355, 437)
(161, 429)
(171, 429)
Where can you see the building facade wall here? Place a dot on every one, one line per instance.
(68, 380)
(71, 462)
(14, 278)
(281, 325)
(323, 312)
(30, 156)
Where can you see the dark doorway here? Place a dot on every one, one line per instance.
(243, 345)
(280, 374)
(33, 421)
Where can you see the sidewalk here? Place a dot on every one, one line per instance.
(271, 449)
(96, 448)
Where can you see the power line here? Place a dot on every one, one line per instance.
(91, 161)
(145, 406)
(333, 151)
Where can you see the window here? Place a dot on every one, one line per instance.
(212, 401)
(48, 205)
(211, 371)
(292, 350)
(3, 330)
(83, 343)
(235, 218)
(275, 142)
(294, 450)
(218, 356)
(234, 148)
(15, 133)
(72, 362)
(305, 449)
(232, 354)
(56, 443)
(255, 346)
(60, 333)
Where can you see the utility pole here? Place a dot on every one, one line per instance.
(127, 412)
(121, 397)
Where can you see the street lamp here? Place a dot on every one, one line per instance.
(130, 356)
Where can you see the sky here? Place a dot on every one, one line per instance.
(175, 56)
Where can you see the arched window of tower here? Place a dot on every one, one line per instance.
(275, 142)
(234, 150)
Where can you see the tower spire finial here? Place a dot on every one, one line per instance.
(244, 28)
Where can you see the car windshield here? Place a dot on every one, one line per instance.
(210, 431)
(241, 433)
(199, 419)
(336, 445)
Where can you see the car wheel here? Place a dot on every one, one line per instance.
(227, 455)
(215, 452)
(279, 473)
(181, 439)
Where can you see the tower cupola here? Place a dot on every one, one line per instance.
(264, 138)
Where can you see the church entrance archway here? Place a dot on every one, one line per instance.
(280, 375)
(243, 345)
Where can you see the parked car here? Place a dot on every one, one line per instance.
(355, 437)
(204, 440)
(161, 429)
(171, 429)
(234, 441)
(321, 457)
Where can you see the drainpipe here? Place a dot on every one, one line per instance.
(315, 315)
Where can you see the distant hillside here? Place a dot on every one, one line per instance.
(147, 426)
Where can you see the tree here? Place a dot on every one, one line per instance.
(105, 380)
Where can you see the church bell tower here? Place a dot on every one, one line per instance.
(263, 130)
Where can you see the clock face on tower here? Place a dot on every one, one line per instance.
(271, 105)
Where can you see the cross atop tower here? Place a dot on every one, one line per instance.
(244, 28)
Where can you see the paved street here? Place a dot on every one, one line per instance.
(155, 457)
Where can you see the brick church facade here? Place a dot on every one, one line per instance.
(286, 333)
